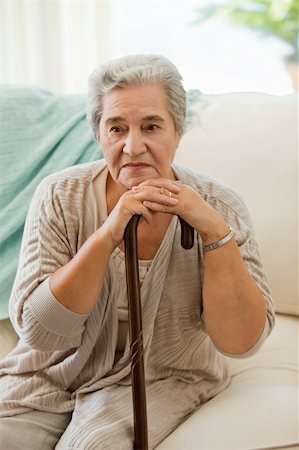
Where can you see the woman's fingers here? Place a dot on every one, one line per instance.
(162, 195)
(121, 214)
(158, 195)
(158, 207)
(173, 186)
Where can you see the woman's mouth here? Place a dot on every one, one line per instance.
(136, 165)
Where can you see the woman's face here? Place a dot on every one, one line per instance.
(137, 134)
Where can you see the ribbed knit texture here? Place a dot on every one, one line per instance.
(65, 361)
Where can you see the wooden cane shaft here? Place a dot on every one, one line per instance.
(187, 235)
(135, 327)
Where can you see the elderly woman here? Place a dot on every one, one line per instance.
(68, 380)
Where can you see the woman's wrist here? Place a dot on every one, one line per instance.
(214, 233)
(220, 242)
(104, 238)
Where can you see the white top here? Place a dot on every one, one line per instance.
(122, 299)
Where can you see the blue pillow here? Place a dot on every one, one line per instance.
(40, 133)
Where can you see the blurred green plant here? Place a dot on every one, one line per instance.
(279, 18)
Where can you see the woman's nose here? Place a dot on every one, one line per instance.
(134, 144)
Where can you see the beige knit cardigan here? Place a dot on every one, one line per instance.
(65, 361)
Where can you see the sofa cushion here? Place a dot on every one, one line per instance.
(249, 141)
(40, 133)
(259, 410)
(8, 337)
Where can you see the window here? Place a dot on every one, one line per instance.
(214, 57)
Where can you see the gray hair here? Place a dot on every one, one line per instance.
(137, 70)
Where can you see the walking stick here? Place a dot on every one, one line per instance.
(135, 326)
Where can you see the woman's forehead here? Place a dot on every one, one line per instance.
(149, 100)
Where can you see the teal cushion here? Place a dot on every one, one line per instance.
(40, 133)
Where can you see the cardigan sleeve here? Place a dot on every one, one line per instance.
(49, 242)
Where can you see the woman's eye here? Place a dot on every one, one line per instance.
(152, 127)
(115, 129)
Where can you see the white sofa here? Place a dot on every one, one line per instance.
(249, 141)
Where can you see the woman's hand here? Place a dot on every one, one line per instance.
(190, 206)
(162, 194)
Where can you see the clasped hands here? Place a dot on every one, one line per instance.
(162, 195)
